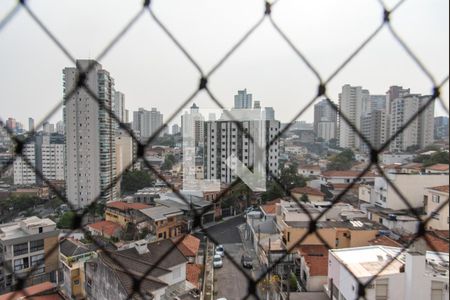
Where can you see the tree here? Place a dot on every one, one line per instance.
(440, 157)
(342, 161)
(133, 181)
(169, 161)
(67, 220)
(289, 178)
(274, 191)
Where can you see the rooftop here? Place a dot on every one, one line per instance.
(24, 227)
(369, 261)
(357, 224)
(70, 247)
(307, 190)
(316, 257)
(161, 212)
(106, 227)
(438, 167)
(44, 291)
(126, 206)
(193, 273)
(270, 207)
(351, 174)
(187, 244)
(442, 188)
(384, 241)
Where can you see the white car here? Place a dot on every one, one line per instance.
(217, 261)
(220, 250)
(222, 299)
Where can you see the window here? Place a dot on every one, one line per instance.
(76, 282)
(437, 290)
(20, 249)
(20, 264)
(36, 245)
(381, 289)
(435, 199)
(37, 260)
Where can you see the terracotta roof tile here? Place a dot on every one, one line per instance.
(126, 206)
(307, 190)
(438, 167)
(316, 257)
(188, 245)
(352, 174)
(106, 227)
(442, 188)
(193, 274)
(29, 292)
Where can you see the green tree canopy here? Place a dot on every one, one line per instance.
(440, 157)
(67, 220)
(342, 161)
(133, 181)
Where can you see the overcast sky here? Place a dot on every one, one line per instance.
(152, 72)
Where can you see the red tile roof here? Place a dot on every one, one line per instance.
(126, 206)
(105, 227)
(437, 240)
(352, 174)
(32, 292)
(270, 207)
(316, 257)
(188, 245)
(438, 167)
(307, 190)
(193, 273)
(442, 188)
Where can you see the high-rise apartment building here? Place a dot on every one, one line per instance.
(243, 100)
(28, 245)
(192, 125)
(90, 150)
(146, 123)
(374, 128)
(224, 138)
(269, 113)
(393, 93)
(354, 101)
(60, 128)
(378, 102)
(30, 124)
(420, 132)
(325, 119)
(24, 174)
(176, 129)
(50, 151)
(119, 106)
(441, 128)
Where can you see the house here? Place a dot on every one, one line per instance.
(410, 185)
(123, 213)
(411, 168)
(437, 169)
(159, 266)
(434, 198)
(189, 245)
(107, 229)
(418, 274)
(313, 266)
(28, 244)
(398, 221)
(73, 255)
(314, 195)
(162, 222)
(309, 170)
(347, 177)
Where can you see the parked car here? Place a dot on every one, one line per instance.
(247, 261)
(220, 250)
(217, 261)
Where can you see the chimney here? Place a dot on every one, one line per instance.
(141, 247)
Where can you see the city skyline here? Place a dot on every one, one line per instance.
(146, 86)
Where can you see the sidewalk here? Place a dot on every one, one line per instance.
(250, 250)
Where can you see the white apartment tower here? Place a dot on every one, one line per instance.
(50, 151)
(325, 118)
(90, 151)
(420, 132)
(146, 123)
(119, 106)
(224, 138)
(354, 101)
(23, 173)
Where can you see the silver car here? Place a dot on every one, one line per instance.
(217, 261)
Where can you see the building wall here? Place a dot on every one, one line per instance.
(411, 186)
(23, 173)
(312, 198)
(434, 199)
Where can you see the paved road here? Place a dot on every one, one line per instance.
(231, 282)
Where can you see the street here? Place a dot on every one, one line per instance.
(230, 281)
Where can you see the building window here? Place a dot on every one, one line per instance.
(37, 260)
(381, 289)
(36, 245)
(20, 264)
(20, 249)
(435, 199)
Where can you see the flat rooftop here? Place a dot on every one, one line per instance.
(18, 228)
(368, 261)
